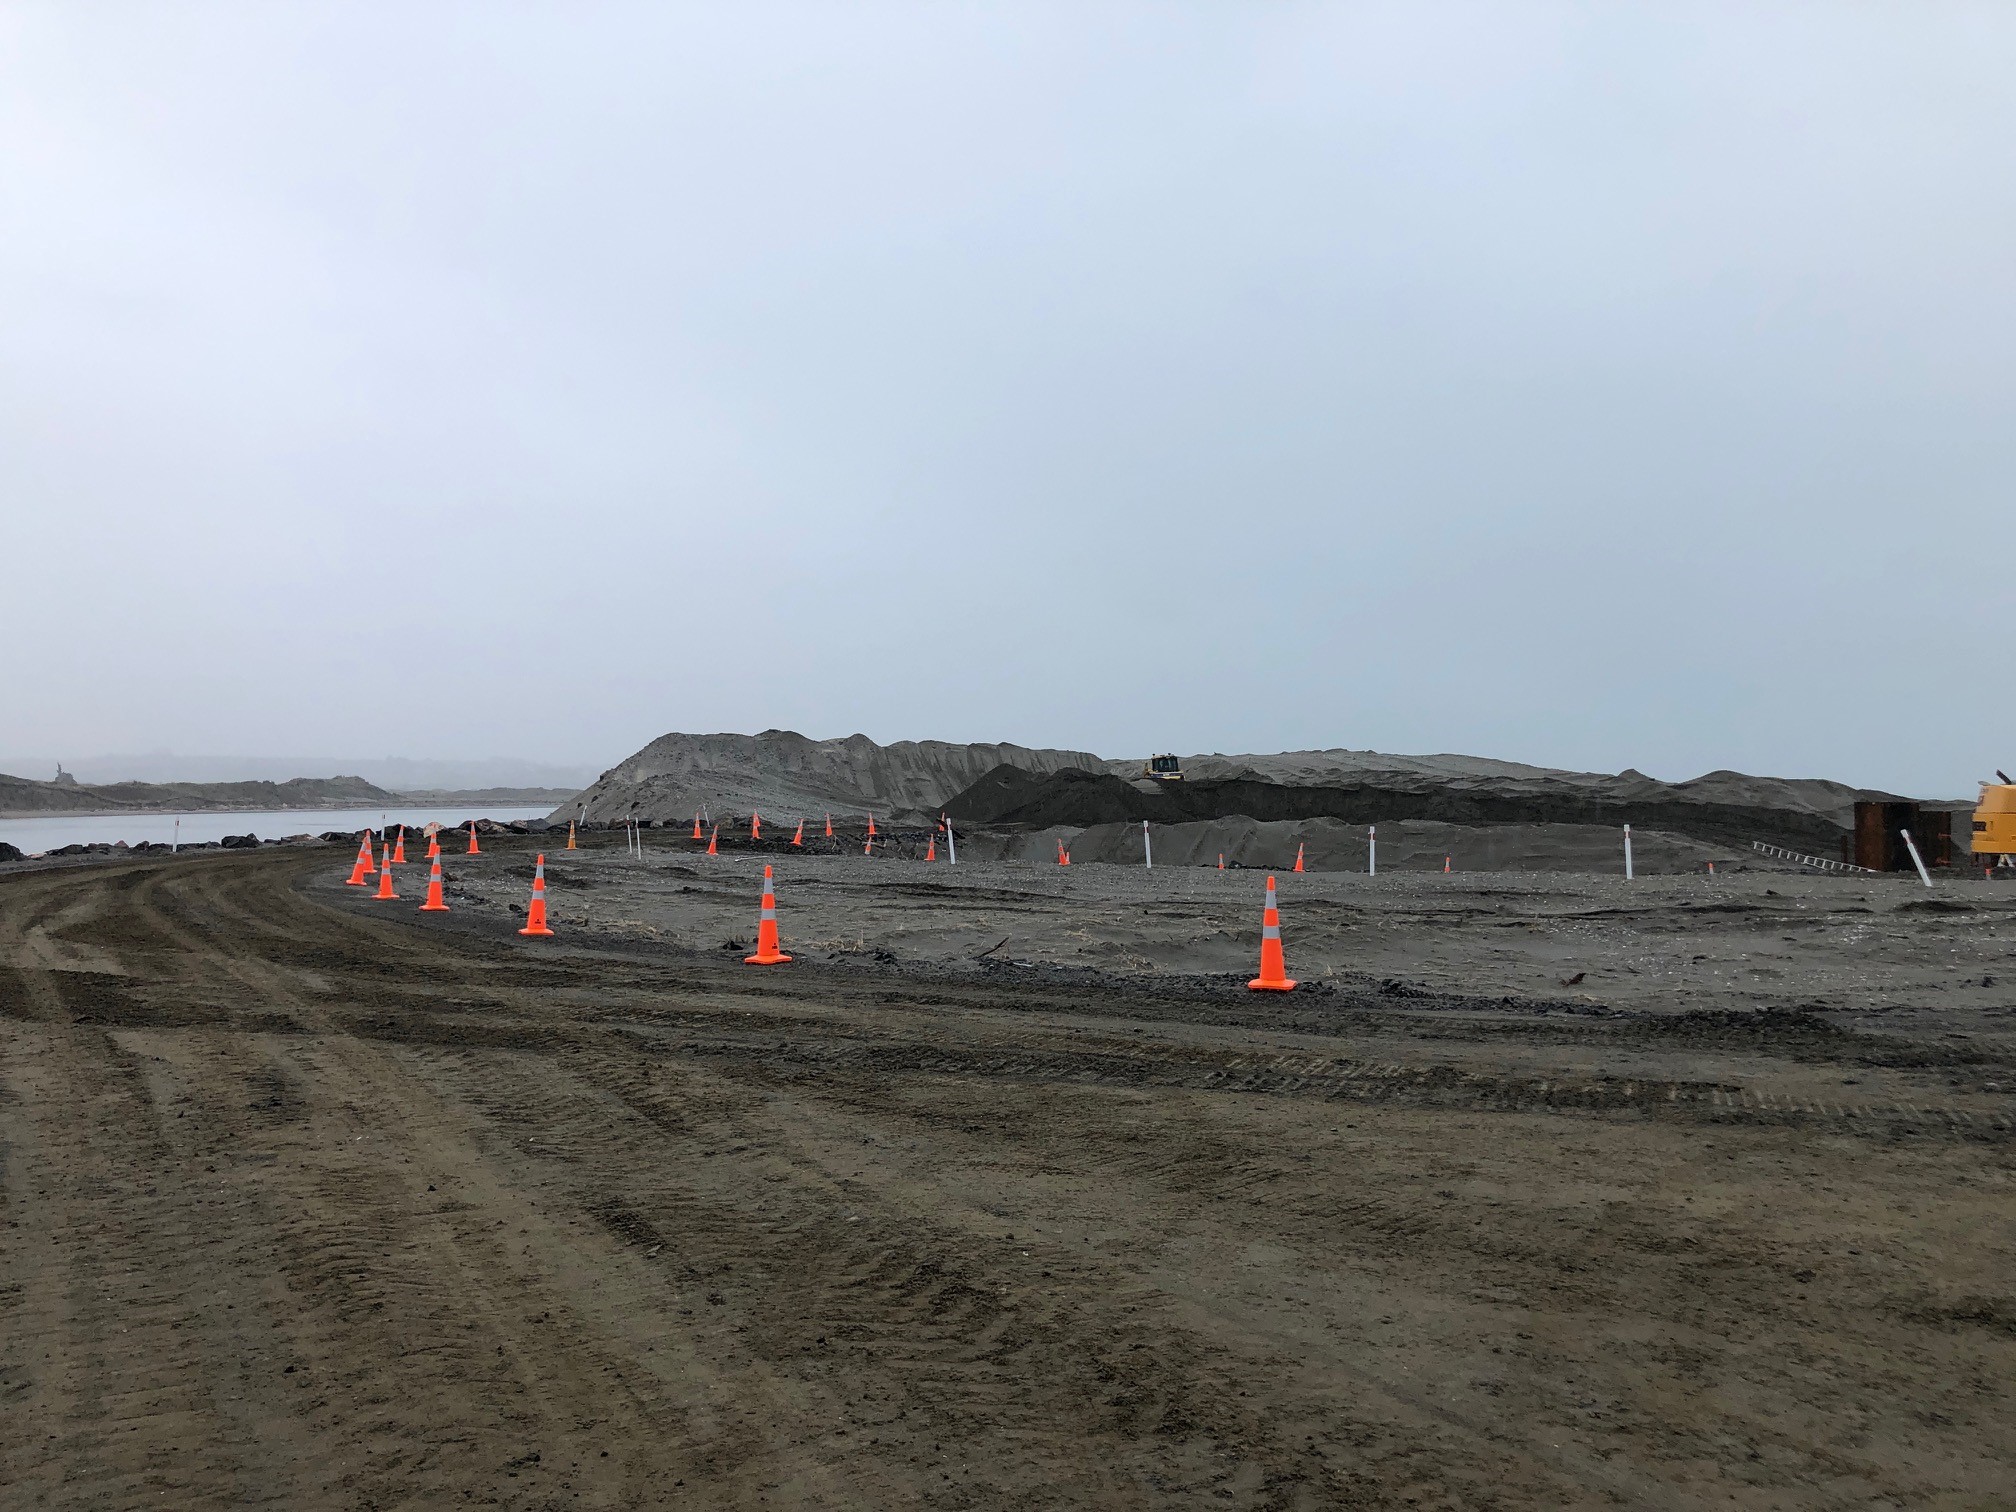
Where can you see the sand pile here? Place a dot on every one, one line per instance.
(1721, 809)
(784, 775)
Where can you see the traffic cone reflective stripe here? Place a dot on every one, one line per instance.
(1298, 856)
(535, 914)
(474, 848)
(385, 878)
(434, 903)
(799, 838)
(1273, 969)
(399, 850)
(767, 953)
(363, 867)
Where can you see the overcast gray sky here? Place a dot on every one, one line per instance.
(1596, 385)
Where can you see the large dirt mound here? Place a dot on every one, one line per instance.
(1722, 808)
(784, 774)
(1488, 778)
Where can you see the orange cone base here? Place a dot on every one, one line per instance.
(433, 908)
(541, 930)
(774, 958)
(1261, 984)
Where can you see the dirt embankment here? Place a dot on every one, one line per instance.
(1719, 816)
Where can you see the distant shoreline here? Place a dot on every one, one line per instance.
(432, 800)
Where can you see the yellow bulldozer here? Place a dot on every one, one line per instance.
(1994, 838)
(1163, 769)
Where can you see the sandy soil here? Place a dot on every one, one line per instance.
(326, 1203)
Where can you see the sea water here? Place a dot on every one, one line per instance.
(46, 832)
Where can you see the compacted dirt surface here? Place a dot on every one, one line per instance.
(314, 1201)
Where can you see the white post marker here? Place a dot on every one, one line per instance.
(175, 846)
(1372, 850)
(951, 845)
(1916, 860)
(1627, 853)
(1147, 847)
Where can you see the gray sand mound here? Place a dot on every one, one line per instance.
(1485, 814)
(784, 775)
(1721, 809)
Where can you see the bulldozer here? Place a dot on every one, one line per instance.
(1163, 769)
(1994, 837)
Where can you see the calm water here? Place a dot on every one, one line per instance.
(46, 832)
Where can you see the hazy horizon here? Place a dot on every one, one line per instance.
(1587, 386)
(406, 774)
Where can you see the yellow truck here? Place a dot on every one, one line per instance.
(1994, 838)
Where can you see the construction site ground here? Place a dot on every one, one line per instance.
(1544, 1192)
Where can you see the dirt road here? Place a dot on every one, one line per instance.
(320, 1207)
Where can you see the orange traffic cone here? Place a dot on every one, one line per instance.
(713, 839)
(1445, 866)
(1273, 970)
(399, 850)
(931, 850)
(829, 826)
(434, 903)
(868, 846)
(385, 878)
(363, 868)
(799, 838)
(535, 915)
(696, 825)
(1221, 860)
(871, 826)
(755, 825)
(1298, 857)
(474, 848)
(1063, 855)
(570, 836)
(767, 953)
(433, 845)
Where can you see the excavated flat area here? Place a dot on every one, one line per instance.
(319, 1202)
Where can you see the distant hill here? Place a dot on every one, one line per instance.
(395, 774)
(24, 795)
